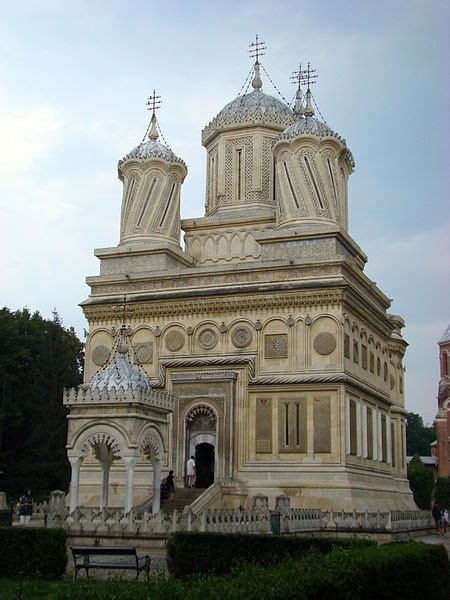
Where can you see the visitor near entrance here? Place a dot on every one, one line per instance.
(436, 511)
(25, 508)
(170, 483)
(190, 471)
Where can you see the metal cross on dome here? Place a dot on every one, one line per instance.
(154, 102)
(257, 49)
(307, 76)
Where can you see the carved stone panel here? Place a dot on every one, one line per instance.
(241, 337)
(324, 343)
(143, 353)
(175, 340)
(322, 424)
(263, 425)
(276, 345)
(346, 345)
(292, 428)
(100, 355)
(208, 339)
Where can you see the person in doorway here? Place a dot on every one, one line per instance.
(190, 471)
(25, 508)
(436, 511)
(170, 483)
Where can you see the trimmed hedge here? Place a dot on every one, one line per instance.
(406, 571)
(29, 552)
(218, 553)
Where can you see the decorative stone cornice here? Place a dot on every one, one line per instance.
(190, 376)
(225, 304)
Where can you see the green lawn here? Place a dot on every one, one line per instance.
(23, 589)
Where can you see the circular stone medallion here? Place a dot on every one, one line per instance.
(144, 353)
(100, 355)
(207, 339)
(324, 343)
(174, 340)
(241, 337)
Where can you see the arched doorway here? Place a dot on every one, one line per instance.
(201, 443)
(204, 465)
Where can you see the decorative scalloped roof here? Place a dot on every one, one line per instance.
(255, 108)
(119, 373)
(151, 149)
(312, 126)
(446, 336)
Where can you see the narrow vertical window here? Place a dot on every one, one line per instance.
(383, 439)
(288, 177)
(239, 174)
(147, 200)
(332, 182)
(353, 431)
(167, 206)
(286, 420)
(369, 433)
(297, 424)
(355, 352)
(213, 180)
(393, 444)
(274, 182)
(313, 182)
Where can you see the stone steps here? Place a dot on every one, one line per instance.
(182, 497)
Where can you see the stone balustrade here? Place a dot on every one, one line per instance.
(84, 395)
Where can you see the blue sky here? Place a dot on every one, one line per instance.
(74, 78)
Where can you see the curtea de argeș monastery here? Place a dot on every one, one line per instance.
(260, 347)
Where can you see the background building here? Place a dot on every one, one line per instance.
(441, 450)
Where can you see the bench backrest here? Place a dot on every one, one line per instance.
(103, 551)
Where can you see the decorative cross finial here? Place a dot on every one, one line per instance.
(153, 103)
(122, 309)
(257, 49)
(306, 76)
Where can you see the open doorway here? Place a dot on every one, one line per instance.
(204, 465)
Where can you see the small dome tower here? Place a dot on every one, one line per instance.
(313, 164)
(152, 176)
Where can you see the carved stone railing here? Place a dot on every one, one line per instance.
(84, 395)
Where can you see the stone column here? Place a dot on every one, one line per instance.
(130, 463)
(156, 486)
(75, 464)
(105, 484)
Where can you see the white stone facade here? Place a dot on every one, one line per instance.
(276, 350)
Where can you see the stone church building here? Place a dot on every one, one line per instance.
(258, 346)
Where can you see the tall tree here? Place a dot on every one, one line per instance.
(421, 482)
(418, 436)
(38, 358)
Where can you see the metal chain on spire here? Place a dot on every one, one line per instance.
(162, 135)
(275, 87)
(246, 81)
(318, 109)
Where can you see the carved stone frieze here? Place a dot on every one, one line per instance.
(276, 345)
(100, 355)
(324, 343)
(139, 310)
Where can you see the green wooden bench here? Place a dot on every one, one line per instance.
(82, 559)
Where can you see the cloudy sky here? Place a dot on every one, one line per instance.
(74, 78)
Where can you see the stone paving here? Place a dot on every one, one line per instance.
(438, 539)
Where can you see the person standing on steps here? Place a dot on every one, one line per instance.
(26, 508)
(190, 471)
(170, 483)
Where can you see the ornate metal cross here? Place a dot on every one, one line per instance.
(257, 49)
(154, 102)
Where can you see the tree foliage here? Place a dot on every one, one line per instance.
(38, 358)
(421, 482)
(442, 491)
(418, 436)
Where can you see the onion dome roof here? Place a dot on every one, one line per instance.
(119, 373)
(151, 148)
(255, 108)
